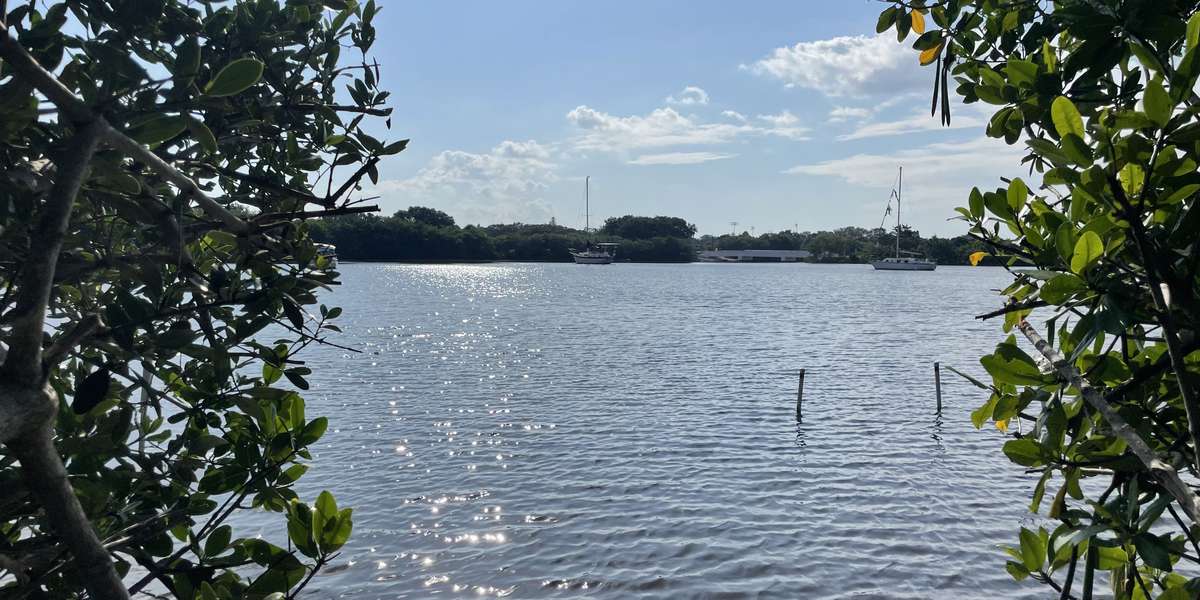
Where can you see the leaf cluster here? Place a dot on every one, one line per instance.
(1101, 94)
(180, 339)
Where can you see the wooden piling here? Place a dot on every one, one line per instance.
(937, 383)
(800, 398)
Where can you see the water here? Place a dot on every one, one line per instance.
(563, 431)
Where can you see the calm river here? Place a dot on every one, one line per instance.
(628, 431)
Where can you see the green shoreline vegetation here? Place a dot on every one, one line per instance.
(421, 234)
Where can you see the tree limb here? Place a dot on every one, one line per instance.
(1014, 307)
(1165, 473)
(80, 332)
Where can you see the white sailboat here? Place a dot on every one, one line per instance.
(903, 261)
(592, 254)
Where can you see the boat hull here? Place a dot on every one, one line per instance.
(592, 260)
(903, 266)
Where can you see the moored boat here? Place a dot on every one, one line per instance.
(328, 252)
(595, 254)
(911, 262)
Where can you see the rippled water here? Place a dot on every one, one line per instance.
(562, 431)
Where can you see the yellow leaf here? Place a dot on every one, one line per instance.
(976, 257)
(930, 54)
(918, 22)
(1002, 426)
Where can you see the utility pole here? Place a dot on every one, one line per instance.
(733, 228)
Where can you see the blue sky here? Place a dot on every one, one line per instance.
(770, 114)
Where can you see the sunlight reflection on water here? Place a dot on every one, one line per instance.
(628, 431)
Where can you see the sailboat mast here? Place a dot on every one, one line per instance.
(586, 203)
(899, 192)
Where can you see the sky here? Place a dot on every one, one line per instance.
(773, 115)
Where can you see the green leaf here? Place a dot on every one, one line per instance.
(235, 78)
(1077, 150)
(1033, 550)
(1059, 289)
(299, 525)
(1193, 31)
(1018, 193)
(1146, 56)
(1025, 452)
(1021, 71)
(980, 415)
(1110, 558)
(1066, 117)
(326, 507)
(204, 136)
(887, 18)
(187, 59)
(1157, 103)
(1132, 119)
(158, 129)
(1013, 372)
(1181, 194)
(271, 373)
(1064, 240)
(1017, 570)
(976, 203)
(337, 537)
(218, 541)
(1132, 177)
(1153, 551)
(1088, 249)
(1048, 57)
(314, 430)
(207, 592)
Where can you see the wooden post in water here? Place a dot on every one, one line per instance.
(800, 398)
(937, 382)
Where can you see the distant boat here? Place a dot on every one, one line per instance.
(592, 254)
(913, 261)
(329, 253)
(595, 254)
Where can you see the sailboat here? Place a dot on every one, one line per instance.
(912, 261)
(592, 254)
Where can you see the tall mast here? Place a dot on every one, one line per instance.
(899, 191)
(586, 203)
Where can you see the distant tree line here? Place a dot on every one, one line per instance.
(851, 244)
(427, 234)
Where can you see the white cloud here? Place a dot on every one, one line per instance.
(786, 125)
(662, 127)
(503, 185)
(937, 176)
(679, 158)
(666, 127)
(845, 66)
(688, 96)
(733, 114)
(963, 117)
(846, 113)
(783, 119)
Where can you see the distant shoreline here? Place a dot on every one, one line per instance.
(619, 262)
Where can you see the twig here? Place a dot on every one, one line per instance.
(312, 214)
(63, 345)
(1011, 308)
